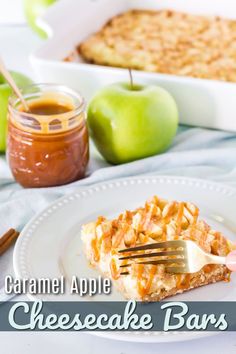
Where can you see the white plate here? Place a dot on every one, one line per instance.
(50, 244)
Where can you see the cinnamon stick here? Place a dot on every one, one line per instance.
(7, 240)
(6, 236)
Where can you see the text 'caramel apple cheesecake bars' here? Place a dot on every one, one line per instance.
(159, 220)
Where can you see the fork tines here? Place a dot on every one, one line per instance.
(151, 246)
(168, 249)
(153, 254)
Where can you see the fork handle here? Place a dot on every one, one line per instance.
(231, 261)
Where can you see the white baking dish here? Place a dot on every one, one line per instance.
(201, 102)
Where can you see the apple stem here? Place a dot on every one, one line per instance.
(131, 79)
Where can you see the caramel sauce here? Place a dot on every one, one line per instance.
(150, 279)
(192, 229)
(164, 235)
(95, 245)
(114, 270)
(120, 235)
(179, 219)
(95, 250)
(183, 281)
(208, 268)
(140, 270)
(47, 146)
(178, 278)
(48, 107)
(104, 240)
(144, 289)
(100, 220)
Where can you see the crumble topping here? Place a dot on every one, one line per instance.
(167, 42)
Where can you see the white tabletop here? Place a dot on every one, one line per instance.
(17, 41)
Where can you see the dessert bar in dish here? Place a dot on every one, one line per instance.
(167, 42)
(158, 220)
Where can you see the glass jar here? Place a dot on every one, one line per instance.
(48, 145)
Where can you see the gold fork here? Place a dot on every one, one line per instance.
(180, 256)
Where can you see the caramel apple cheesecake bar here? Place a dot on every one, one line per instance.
(167, 42)
(159, 220)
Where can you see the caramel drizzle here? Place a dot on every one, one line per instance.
(95, 250)
(120, 235)
(183, 281)
(95, 244)
(179, 219)
(192, 229)
(114, 270)
(144, 289)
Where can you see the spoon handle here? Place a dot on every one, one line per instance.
(13, 85)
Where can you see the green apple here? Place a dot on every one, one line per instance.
(35, 9)
(130, 122)
(5, 92)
